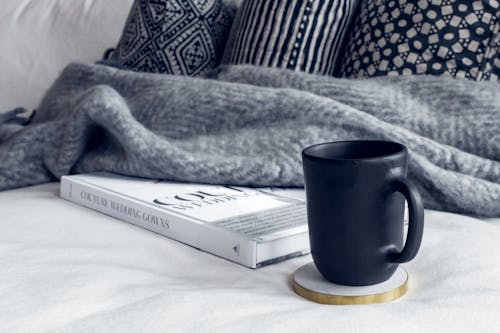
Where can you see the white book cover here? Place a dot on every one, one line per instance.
(251, 226)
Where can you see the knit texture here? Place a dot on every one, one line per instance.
(248, 125)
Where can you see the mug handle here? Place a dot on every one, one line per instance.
(415, 224)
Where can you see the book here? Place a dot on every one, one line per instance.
(250, 226)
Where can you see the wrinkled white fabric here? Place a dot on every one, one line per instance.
(66, 268)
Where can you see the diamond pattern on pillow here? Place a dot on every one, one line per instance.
(183, 37)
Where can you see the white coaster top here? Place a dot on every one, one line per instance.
(309, 283)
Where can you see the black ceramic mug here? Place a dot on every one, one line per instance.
(355, 210)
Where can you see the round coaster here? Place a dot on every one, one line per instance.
(310, 284)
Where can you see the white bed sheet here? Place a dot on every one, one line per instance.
(67, 268)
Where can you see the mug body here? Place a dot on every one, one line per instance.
(354, 216)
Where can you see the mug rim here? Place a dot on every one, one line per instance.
(401, 151)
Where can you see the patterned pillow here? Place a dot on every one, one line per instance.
(185, 37)
(441, 37)
(303, 35)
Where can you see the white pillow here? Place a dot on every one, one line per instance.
(38, 38)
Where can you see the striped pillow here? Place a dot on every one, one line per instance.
(303, 35)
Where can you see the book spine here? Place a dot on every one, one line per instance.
(199, 235)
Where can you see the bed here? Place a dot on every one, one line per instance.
(66, 268)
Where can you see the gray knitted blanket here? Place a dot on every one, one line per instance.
(248, 125)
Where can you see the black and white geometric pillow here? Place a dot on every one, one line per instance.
(457, 38)
(184, 37)
(303, 35)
